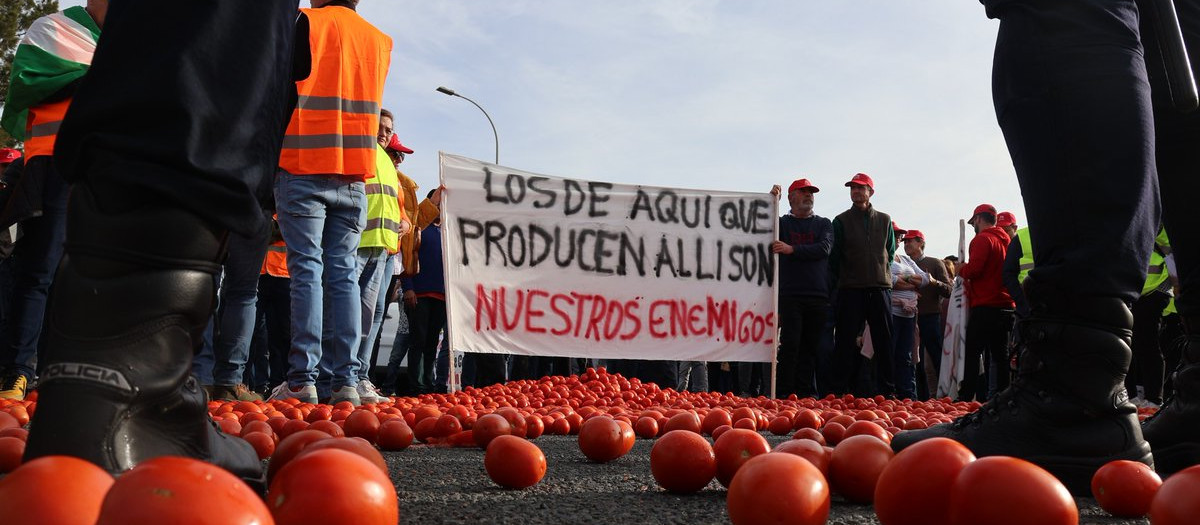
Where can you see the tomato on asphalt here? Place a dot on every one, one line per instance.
(171, 489)
(810, 434)
(290, 447)
(856, 465)
(734, 448)
(362, 423)
(600, 439)
(778, 488)
(682, 461)
(1176, 502)
(646, 427)
(263, 443)
(1125, 488)
(394, 434)
(628, 437)
(489, 427)
(54, 490)
(1001, 490)
(332, 486)
(514, 463)
(688, 421)
(867, 428)
(911, 488)
(534, 427)
(447, 426)
(808, 449)
(714, 419)
(355, 445)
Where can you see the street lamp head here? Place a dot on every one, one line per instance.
(446, 91)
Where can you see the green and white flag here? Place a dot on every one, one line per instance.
(55, 51)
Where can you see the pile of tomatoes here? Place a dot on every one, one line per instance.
(840, 447)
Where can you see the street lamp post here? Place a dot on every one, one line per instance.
(450, 92)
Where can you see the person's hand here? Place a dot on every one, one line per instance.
(436, 198)
(776, 190)
(781, 247)
(405, 227)
(410, 299)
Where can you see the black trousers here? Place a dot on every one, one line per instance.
(854, 307)
(801, 323)
(1073, 98)
(988, 330)
(1147, 368)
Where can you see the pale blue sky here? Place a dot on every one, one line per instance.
(729, 95)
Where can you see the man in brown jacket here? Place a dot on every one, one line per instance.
(929, 307)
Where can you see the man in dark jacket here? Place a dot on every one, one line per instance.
(863, 246)
(805, 240)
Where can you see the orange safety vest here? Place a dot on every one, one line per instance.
(41, 127)
(336, 119)
(275, 264)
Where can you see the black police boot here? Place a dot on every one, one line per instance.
(130, 302)
(1174, 431)
(1067, 411)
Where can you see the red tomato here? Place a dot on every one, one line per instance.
(714, 419)
(688, 421)
(517, 420)
(447, 426)
(867, 428)
(514, 463)
(332, 486)
(7, 421)
(263, 443)
(856, 465)
(646, 427)
(394, 434)
(1176, 502)
(291, 446)
(1125, 488)
(806, 418)
(720, 430)
(905, 491)
(356, 445)
(61, 490)
(833, 432)
(780, 425)
(778, 488)
(560, 427)
(489, 427)
(810, 434)
(628, 438)
(328, 427)
(534, 427)
(16, 432)
(600, 439)
(292, 426)
(364, 424)
(747, 423)
(1003, 490)
(682, 461)
(170, 489)
(807, 449)
(426, 429)
(734, 448)
(11, 450)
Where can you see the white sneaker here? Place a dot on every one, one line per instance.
(306, 393)
(345, 393)
(369, 393)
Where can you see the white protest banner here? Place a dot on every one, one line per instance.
(551, 266)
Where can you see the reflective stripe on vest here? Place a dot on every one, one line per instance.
(1156, 273)
(383, 208)
(333, 128)
(41, 127)
(1026, 254)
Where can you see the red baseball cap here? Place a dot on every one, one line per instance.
(913, 234)
(982, 208)
(1006, 218)
(898, 229)
(395, 145)
(861, 179)
(800, 184)
(8, 155)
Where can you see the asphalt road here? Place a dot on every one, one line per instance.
(449, 485)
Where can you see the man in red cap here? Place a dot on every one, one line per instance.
(805, 240)
(991, 314)
(8, 156)
(863, 247)
(929, 305)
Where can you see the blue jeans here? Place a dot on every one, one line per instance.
(374, 266)
(239, 298)
(202, 361)
(36, 255)
(904, 338)
(321, 218)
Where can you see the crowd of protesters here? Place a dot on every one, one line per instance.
(862, 307)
